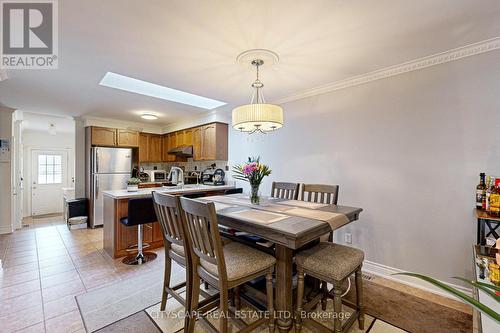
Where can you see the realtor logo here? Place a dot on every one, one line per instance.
(29, 34)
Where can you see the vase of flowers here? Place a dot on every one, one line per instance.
(252, 172)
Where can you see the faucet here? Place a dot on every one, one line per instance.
(178, 173)
(198, 175)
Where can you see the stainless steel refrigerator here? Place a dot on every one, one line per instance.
(110, 170)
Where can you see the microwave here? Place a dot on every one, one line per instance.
(157, 175)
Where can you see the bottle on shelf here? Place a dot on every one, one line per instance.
(489, 187)
(495, 199)
(480, 191)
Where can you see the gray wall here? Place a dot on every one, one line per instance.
(407, 149)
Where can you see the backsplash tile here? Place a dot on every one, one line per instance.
(187, 166)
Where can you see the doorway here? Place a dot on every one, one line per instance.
(48, 178)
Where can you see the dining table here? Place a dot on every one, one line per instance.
(290, 225)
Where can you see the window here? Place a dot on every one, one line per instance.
(49, 169)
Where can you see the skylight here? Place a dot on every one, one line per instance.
(126, 83)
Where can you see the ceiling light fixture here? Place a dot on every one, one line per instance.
(258, 116)
(149, 116)
(137, 86)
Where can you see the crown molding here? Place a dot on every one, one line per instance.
(410, 66)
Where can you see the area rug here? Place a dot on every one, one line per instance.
(142, 322)
(412, 313)
(133, 305)
(112, 303)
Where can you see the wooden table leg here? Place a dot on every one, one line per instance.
(284, 304)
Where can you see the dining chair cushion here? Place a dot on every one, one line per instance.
(241, 261)
(330, 260)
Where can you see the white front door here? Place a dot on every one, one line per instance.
(49, 176)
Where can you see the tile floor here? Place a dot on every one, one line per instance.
(44, 266)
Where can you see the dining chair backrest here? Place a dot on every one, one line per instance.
(168, 210)
(285, 190)
(203, 228)
(319, 193)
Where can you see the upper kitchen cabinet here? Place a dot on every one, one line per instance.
(155, 148)
(103, 136)
(197, 144)
(188, 137)
(127, 138)
(210, 142)
(144, 139)
(214, 142)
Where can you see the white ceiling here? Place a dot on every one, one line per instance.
(192, 46)
(42, 122)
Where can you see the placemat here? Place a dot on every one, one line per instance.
(220, 206)
(258, 216)
(303, 204)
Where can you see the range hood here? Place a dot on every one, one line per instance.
(183, 150)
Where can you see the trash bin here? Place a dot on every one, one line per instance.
(76, 211)
(77, 222)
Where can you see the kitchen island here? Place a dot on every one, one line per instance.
(118, 238)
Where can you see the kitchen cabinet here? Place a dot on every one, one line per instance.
(150, 148)
(197, 144)
(210, 142)
(155, 148)
(103, 136)
(178, 138)
(169, 142)
(188, 137)
(144, 139)
(127, 138)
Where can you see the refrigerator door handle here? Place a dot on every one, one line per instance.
(96, 186)
(96, 159)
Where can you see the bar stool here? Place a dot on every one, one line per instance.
(225, 267)
(331, 263)
(140, 211)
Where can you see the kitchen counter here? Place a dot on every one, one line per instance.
(118, 238)
(146, 192)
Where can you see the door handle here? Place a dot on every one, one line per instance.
(96, 187)
(96, 160)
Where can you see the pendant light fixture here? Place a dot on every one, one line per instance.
(258, 116)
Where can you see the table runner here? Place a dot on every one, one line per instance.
(335, 220)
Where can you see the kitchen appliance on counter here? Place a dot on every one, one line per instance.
(176, 176)
(212, 176)
(110, 170)
(157, 175)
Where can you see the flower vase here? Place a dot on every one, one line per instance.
(254, 194)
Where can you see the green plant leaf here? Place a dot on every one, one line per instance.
(464, 297)
(482, 287)
(491, 286)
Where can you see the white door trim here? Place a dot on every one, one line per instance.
(28, 171)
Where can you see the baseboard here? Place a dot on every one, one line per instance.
(5, 230)
(386, 272)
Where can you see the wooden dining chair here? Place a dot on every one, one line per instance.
(320, 193)
(168, 210)
(285, 190)
(223, 267)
